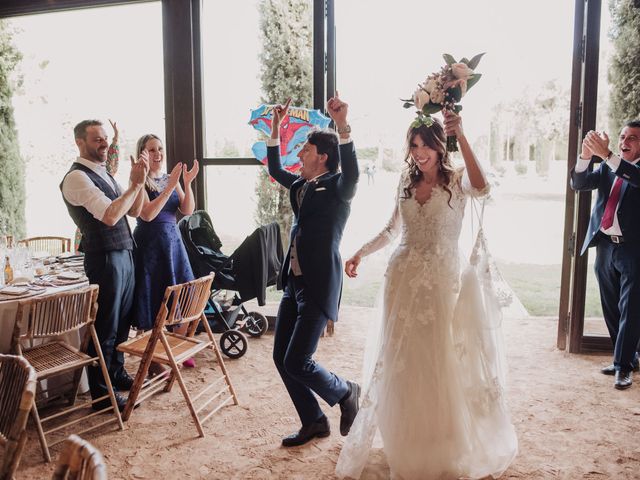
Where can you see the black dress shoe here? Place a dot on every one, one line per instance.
(349, 407)
(611, 369)
(121, 401)
(319, 428)
(623, 380)
(124, 381)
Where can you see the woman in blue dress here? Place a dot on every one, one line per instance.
(160, 257)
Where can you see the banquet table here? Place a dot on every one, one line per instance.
(9, 309)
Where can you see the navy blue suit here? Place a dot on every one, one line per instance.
(617, 265)
(313, 298)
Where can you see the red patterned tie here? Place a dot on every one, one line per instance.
(610, 208)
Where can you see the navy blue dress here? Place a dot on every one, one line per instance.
(160, 259)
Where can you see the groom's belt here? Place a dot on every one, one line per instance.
(612, 238)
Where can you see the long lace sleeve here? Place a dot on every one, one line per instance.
(468, 189)
(388, 233)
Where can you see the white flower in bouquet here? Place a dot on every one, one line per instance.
(430, 84)
(461, 71)
(421, 97)
(437, 95)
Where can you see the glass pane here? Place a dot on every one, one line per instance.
(67, 79)
(516, 118)
(231, 202)
(232, 46)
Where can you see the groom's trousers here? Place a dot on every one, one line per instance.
(617, 268)
(299, 325)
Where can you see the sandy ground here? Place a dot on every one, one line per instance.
(571, 422)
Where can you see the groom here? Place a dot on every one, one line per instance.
(615, 231)
(312, 271)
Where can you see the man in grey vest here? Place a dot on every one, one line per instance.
(98, 205)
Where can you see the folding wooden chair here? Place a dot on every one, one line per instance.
(80, 460)
(17, 390)
(183, 303)
(48, 317)
(51, 245)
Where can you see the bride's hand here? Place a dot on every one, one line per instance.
(351, 266)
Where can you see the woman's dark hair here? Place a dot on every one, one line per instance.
(434, 138)
(326, 141)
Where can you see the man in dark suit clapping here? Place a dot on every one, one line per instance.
(614, 229)
(312, 271)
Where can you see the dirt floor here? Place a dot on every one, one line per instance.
(571, 422)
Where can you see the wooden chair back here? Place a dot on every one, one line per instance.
(52, 245)
(80, 460)
(184, 303)
(17, 390)
(56, 314)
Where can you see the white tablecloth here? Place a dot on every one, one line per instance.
(8, 311)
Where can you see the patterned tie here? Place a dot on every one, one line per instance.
(300, 193)
(610, 208)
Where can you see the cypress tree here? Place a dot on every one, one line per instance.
(12, 181)
(287, 71)
(624, 72)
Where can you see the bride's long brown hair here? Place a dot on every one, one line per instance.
(434, 138)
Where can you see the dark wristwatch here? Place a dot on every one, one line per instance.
(345, 129)
(609, 155)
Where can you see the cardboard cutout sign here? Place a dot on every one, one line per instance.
(293, 132)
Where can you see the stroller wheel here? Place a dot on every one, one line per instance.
(233, 343)
(255, 324)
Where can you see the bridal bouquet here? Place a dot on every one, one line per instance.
(443, 90)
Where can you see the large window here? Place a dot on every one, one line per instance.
(103, 63)
(234, 55)
(516, 117)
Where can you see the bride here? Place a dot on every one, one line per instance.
(433, 384)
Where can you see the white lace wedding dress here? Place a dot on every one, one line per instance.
(434, 373)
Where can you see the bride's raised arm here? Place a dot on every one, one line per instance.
(474, 174)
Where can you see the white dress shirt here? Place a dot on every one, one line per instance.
(613, 163)
(79, 190)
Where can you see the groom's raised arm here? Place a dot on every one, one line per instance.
(347, 182)
(274, 164)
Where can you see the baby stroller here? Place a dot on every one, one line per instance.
(247, 272)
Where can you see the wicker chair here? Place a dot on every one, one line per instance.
(183, 303)
(48, 317)
(51, 245)
(80, 460)
(17, 390)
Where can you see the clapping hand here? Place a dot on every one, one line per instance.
(189, 175)
(139, 169)
(595, 143)
(174, 177)
(114, 125)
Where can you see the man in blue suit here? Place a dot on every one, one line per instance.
(614, 229)
(312, 270)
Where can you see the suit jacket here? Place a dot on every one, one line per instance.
(318, 225)
(602, 179)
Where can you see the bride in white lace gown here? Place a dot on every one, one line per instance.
(434, 377)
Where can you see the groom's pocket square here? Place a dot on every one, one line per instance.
(321, 189)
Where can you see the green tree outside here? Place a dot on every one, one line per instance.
(287, 71)
(624, 72)
(12, 169)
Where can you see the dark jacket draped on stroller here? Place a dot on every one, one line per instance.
(249, 270)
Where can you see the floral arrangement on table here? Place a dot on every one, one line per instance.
(444, 90)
